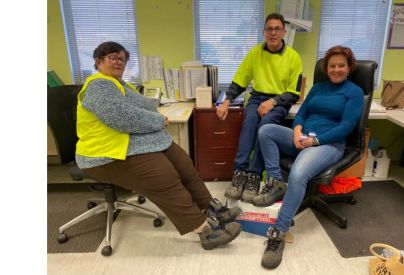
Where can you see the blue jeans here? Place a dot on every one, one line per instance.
(251, 123)
(275, 140)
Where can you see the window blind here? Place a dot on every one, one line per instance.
(358, 24)
(89, 23)
(225, 31)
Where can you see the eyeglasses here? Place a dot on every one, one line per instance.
(276, 30)
(115, 59)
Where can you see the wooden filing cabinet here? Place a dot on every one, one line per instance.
(216, 142)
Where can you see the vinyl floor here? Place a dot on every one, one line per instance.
(140, 248)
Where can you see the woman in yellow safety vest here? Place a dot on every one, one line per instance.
(123, 140)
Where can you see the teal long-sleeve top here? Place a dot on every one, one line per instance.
(331, 111)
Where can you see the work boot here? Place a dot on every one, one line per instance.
(236, 188)
(273, 191)
(273, 252)
(251, 188)
(213, 235)
(222, 213)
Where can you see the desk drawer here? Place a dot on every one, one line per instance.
(215, 163)
(210, 131)
(216, 142)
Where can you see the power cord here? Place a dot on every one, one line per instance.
(394, 141)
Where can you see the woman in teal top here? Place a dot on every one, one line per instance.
(327, 116)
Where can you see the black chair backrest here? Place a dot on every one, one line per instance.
(363, 76)
(62, 105)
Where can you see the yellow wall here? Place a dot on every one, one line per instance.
(393, 62)
(166, 28)
(57, 51)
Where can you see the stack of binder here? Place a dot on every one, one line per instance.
(192, 74)
(172, 84)
(213, 81)
(180, 84)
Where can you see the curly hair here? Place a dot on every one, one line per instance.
(345, 51)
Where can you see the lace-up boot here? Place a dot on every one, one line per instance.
(223, 214)
(251, 188)
(273, 191)
(273, 252)
(213, 235)
(236, 188)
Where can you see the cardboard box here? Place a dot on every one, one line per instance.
(256, 220)
(358, 169)
(203, 97)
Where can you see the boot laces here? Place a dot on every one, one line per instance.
(238, 182)
(252, 184)
(272, 244)
(267, 189)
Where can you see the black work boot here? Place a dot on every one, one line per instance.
(273, 252)
(213, 235)
(236, 188)
(273, 191)
(251, 188)
(222, 213)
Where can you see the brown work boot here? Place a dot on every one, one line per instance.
(273, 191)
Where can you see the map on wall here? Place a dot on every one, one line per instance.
(396, 33)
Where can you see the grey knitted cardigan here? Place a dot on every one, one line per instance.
(132, 113)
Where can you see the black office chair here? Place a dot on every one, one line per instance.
(62, 104)
(363, 76)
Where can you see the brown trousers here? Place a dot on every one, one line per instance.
(166, 178)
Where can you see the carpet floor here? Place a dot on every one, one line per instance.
(378, 216)
(65, 202)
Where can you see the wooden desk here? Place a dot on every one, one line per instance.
(178, 115)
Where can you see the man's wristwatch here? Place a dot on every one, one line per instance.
(273, 101)
(315, 141)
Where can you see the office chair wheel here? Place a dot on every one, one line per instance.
(141, 199)
(157, 222)
(342, 223)
(106, 250)
(91, 204)
(62, 238)
(352, 201)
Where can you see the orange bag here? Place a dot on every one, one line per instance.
(340, 185)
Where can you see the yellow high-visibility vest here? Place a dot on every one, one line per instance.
(95, 138)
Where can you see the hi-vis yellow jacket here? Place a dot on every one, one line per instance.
(95, 138)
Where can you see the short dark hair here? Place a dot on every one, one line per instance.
(276, 16)
(345, 51)
(108, 47)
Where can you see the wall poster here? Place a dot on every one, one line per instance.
(396, 33)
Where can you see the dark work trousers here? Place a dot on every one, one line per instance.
(251, 123)
(166, 178)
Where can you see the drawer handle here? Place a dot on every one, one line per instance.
(219, 133)
(220, 163)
